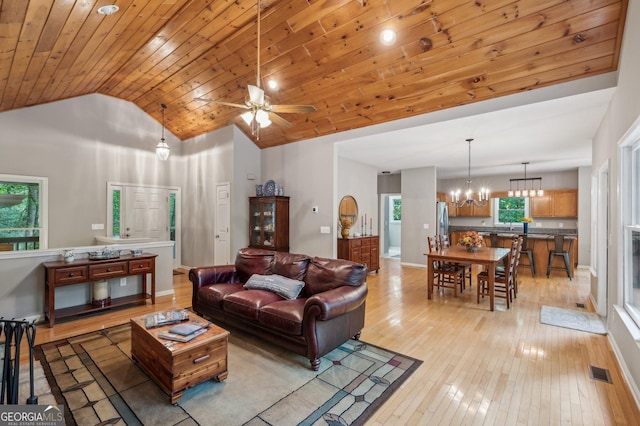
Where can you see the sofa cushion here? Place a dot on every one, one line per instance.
(213, 295)
(247, 303)
(291, 265)
(327, 274)
(253, 261)
(285, 316)
(282, 286)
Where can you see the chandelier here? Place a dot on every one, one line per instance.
(483, 193)
(162, 149)
(525, 191)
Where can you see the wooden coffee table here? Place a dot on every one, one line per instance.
(178, 366)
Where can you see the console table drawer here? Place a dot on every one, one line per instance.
(107, 270)
(71, 275)
(140, 266)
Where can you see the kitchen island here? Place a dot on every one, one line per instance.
(540, 241)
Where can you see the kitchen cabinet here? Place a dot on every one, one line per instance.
(555, 203)
(473, 210)
(446, 198)
(269, 223)
(364, 250)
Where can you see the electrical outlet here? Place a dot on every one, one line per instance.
(425, 226)
(123, 282)
(538, 225)
(560, 225)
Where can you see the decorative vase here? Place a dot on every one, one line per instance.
(258, 190)
(68, 255)
(472, 249)
(525, 227)
(345, 232)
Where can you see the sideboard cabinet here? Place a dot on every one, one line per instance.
(58, 274)
(269, 223)
(362, 250)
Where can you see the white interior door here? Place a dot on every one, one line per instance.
(146, 213)
(222, 224)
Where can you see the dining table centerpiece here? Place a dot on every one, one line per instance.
(471, 241)
(525, 224)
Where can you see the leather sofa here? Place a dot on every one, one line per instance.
(329, 310)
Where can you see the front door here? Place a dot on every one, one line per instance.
(146, 213)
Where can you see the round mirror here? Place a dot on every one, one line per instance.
(348, 210)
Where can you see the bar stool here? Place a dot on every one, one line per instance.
(493, 239)
(558, 250)
(529, 252)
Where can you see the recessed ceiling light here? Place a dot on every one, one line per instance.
(109, 9)
(388, 37)
(272, 84)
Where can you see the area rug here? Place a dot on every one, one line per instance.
(94, 377)
(569, 318)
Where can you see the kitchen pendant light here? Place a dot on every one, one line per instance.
(483, 193)
(525, 192)
(162, 149)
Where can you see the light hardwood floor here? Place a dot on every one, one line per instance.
(480, 367)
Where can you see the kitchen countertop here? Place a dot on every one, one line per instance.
(505, 231)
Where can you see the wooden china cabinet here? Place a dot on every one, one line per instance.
(269, 223)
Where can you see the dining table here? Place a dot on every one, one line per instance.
(485, 256)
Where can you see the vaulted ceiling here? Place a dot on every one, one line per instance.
(321, 52)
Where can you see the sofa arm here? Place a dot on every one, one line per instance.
(208, 275)
(333, 303)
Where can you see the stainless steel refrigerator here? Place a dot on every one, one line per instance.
(442, 218)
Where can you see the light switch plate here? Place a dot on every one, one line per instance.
(425, 226)
(325, 229)
(97, 226)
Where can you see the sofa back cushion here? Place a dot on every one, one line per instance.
(253, 261)
(327, 274)
(291, 265)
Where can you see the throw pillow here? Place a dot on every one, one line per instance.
(282, 286)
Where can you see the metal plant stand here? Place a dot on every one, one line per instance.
(13, 331)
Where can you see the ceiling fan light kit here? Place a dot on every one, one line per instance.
(261, 113)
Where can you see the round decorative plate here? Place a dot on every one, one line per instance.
(269, 188)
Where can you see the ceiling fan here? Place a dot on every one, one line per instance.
(260, 112)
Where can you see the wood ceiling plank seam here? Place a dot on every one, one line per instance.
(11, 18)
(88, 23)
(506, 65)
(47, 77)
(138, 62)
(457, 51)
(123, 42)
(447, 97)
(34, 20)
(311, 13)
(105, 42)
(169, 67)
(440, 72)
(137, 73)
(53, 25)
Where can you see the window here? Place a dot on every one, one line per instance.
(395, 208)
(631, 208)
(510, 210)
(24, 213)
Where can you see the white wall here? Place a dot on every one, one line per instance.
(418, 209)
(623, 111)
(360, 181)
(308, 172)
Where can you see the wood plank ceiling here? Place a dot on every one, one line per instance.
(321, 52)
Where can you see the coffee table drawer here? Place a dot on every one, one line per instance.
(199, 363)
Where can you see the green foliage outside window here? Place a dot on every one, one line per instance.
(511, 210)
(21, 220)
(397, 209)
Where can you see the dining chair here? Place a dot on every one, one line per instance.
(558, 250)
(445, 242)
(446, 275)
(503, 283)
(501, 269)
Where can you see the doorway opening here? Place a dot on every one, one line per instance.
(391, 214)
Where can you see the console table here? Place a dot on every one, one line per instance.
(58, 274)
(361, 250)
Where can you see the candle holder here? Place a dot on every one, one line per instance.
(101, 294)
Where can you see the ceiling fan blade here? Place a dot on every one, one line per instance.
(256, 94)
(222, 103)
(286, 109)
(276, 119)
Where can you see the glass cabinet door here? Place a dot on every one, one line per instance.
(256, 224)
(269, 223)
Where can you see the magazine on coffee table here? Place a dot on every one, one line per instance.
(179, 337)
(188, 328)
(166, 317)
